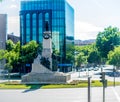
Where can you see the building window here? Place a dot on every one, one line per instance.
(22, 28)
(40, 27)
(46, 23)
(27, 27)
(34, 26)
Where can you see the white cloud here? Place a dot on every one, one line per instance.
(98, 3)
(13, 25)
(13, 6)
(85, 30)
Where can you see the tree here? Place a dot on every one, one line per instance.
(11, 55)
(2, 52)
(55, 59)
(9, 45)
(94, 57)
(29, 52)
(81, 59)
(8, 67)
(14, 58)
(85, 49)
(91, 53)
(114, 57)
(107, 40)
(39, 49)
(70, 53)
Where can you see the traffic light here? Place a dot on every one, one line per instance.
(103, 80)
(102, 77)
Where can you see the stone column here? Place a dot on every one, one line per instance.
(47, 47)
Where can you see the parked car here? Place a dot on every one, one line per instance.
(96, 69)
(83, 69)
(4, 72)
(90, 68)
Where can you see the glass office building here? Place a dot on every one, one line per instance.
(57, 15)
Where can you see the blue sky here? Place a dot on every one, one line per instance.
(91, 16)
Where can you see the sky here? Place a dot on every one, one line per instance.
(91, 16)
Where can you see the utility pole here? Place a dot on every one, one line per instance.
(89, 87)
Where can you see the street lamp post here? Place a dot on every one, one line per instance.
(79, 73)
(114, 74)
(101, 68)
(78, 69)
(75, 53)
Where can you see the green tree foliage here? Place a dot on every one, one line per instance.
(55, 59)
(114, 57)
(81, 54)
(11, 59)
(2, 52)
(29, 52)
(9, 45)
(13, 56)
(17, 47)
(81, 59)
(84, 49)
(39, 49)
(70, 54)
(90, 52)
(94, 57)
(107, 39)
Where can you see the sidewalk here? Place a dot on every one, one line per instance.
(4, 78)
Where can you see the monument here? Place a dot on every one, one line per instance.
(40, 74)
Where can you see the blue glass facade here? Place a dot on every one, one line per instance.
(59, 16)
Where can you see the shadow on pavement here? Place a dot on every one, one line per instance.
(33, 87)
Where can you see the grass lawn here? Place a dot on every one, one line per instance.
(73, 84)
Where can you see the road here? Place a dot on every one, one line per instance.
(65, 95)
(84, 74)
(60, 95)
(95, 74)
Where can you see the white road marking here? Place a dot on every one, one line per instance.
(116, 94)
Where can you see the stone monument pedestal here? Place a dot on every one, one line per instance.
(45, 78)
(42, 75)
